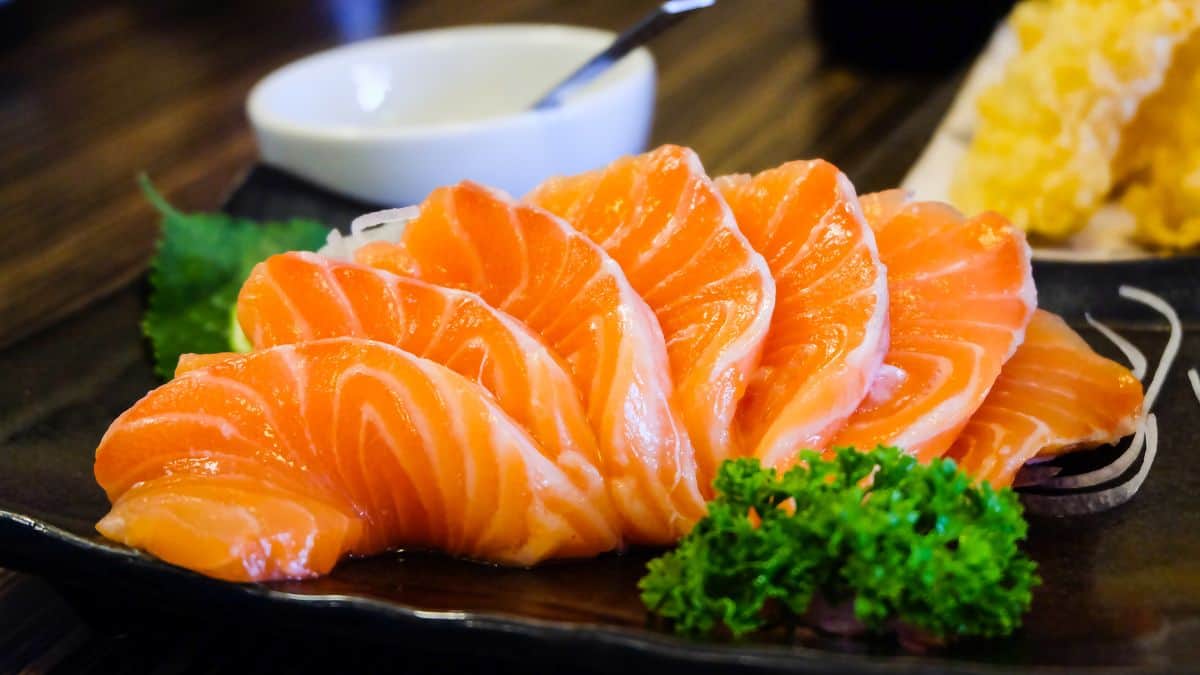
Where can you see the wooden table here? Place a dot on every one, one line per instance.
(92, 93)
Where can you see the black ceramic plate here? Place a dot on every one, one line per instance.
(1121, 588)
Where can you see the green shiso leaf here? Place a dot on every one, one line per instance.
(196, 273)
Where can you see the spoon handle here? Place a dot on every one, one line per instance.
(662, 18)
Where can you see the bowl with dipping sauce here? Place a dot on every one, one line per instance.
(388, 120)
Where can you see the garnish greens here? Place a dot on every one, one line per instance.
(201, 263)
(903, 541)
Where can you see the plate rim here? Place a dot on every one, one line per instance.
(625, 643)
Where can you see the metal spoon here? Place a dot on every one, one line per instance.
(666, 15)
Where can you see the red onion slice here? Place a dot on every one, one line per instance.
(1083, 503)
(839, 619)
(1035, 474)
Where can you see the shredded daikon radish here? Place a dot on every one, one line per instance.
(386, 225)
(1174, 340)
(1110, 471)
(370, 221)
(1137, 360)
(1118, 466)
(1085, 502)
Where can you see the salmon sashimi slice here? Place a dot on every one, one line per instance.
(277, 463)
(232, 527)
(664, 221)
(190, 362)
(961, 294)
(1054, 395)
(830, 330)
(300, 296)
(535, 267)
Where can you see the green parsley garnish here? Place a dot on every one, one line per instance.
(201, 263)
(919, 544)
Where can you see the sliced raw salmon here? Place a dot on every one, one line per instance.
(278, 463)
(296, 297)
(190, 362)
(535, 267)
(1054, 395)
(234, 527)
(961, 294)
(829, 333)
(662, 219)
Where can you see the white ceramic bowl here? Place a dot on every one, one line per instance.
(390, 119)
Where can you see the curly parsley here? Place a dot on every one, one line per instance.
(919, 544)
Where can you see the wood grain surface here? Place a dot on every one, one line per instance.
(92, 93)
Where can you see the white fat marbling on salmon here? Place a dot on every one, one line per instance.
(950, 339)
(1054, 395)
(829, 332)
(365, 460)
(580, 303)
(455, 327)
(714, 313)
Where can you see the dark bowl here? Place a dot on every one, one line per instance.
(906, 36)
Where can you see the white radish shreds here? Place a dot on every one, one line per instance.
(1194, 378)
(1141, 437)
(1110, 471)
(335, 246)
(1083, 503)
(1137, 360)
(1167, 359)
(386, 225)
(369, 221)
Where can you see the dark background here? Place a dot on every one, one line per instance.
(91, 93)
